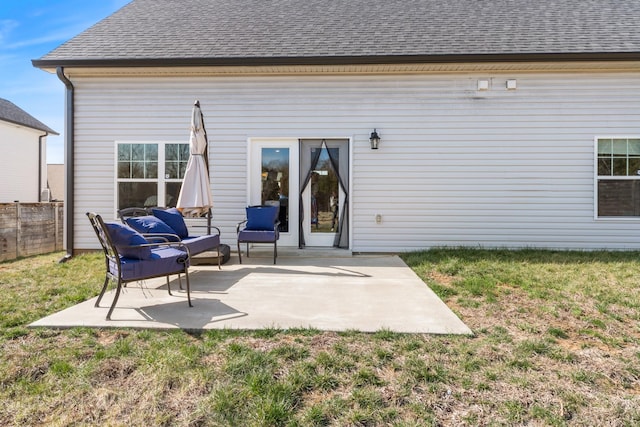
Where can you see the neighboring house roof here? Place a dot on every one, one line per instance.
(259, 32)
(9, 112)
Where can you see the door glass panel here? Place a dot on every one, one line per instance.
(275, 182)
(324, 192)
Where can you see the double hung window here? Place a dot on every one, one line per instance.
(618, 177)
(149, 173)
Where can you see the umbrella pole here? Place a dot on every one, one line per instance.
(206, 163)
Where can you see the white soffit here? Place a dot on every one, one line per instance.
(621, 66)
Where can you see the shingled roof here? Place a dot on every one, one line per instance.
(264, 32)
(9, 112)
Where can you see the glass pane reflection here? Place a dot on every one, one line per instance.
(275, 182)
(137, 194)
(324, 193)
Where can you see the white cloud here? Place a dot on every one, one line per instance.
(7, 59)
(45, 39)
(6, 27)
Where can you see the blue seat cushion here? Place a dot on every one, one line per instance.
(173, 218)
(261, 217)
(257, 236)
(162, 262)
(199, 244)
(125, 239)
(151, 224)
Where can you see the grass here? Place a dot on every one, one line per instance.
(557, 342)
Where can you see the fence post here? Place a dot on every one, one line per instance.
(18, 229)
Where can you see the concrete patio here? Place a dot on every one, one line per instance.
(329, 290)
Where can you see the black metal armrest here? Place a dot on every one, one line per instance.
(178, 244)
(239, 225)
(151, 236)
(163, 237)
(125, 213)
(210, 228)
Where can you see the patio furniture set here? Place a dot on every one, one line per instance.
(156, 242)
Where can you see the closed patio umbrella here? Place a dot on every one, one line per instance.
(195, 193)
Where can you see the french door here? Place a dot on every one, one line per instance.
(308, 180)
(273, 179)
(324, 171)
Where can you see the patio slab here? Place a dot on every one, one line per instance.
(364, 292)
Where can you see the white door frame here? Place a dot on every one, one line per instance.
(254, 169)
(254, 182)
(324, 239)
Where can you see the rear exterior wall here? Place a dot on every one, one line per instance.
(456, 166)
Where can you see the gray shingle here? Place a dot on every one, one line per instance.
(9, 112)
(257, 29)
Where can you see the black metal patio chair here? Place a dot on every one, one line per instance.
(261, 226)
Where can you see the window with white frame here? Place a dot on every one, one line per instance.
(149, 173)
(618, 177)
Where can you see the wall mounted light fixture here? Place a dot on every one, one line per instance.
(374, 139)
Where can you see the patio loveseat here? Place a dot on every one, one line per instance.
(169, 224)
(129, 257)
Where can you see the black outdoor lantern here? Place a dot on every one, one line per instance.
(374, 139)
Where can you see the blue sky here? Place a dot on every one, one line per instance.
(28, 30)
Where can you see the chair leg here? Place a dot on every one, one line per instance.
(247, 249)
(115, 299)
(180, 281)
(104, 288)
(169, 286)
(219, 260)
(239, 253)
(186, 273)
(275, 251)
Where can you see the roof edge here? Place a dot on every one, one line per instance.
(43, 128)
(338, 60)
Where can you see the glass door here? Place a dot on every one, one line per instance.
(273, 180)
(324, 173)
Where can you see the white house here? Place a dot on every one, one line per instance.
(502, 123)
(23, 165)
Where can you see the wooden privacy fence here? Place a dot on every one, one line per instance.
(30, 229)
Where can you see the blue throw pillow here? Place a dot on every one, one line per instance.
(261, 217)
(173, 218)
(151, 224)
(124, 237)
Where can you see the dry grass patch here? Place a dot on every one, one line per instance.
(556, 342)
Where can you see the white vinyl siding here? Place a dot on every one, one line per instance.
(496, 168)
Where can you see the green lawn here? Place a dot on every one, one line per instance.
(557, 342)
